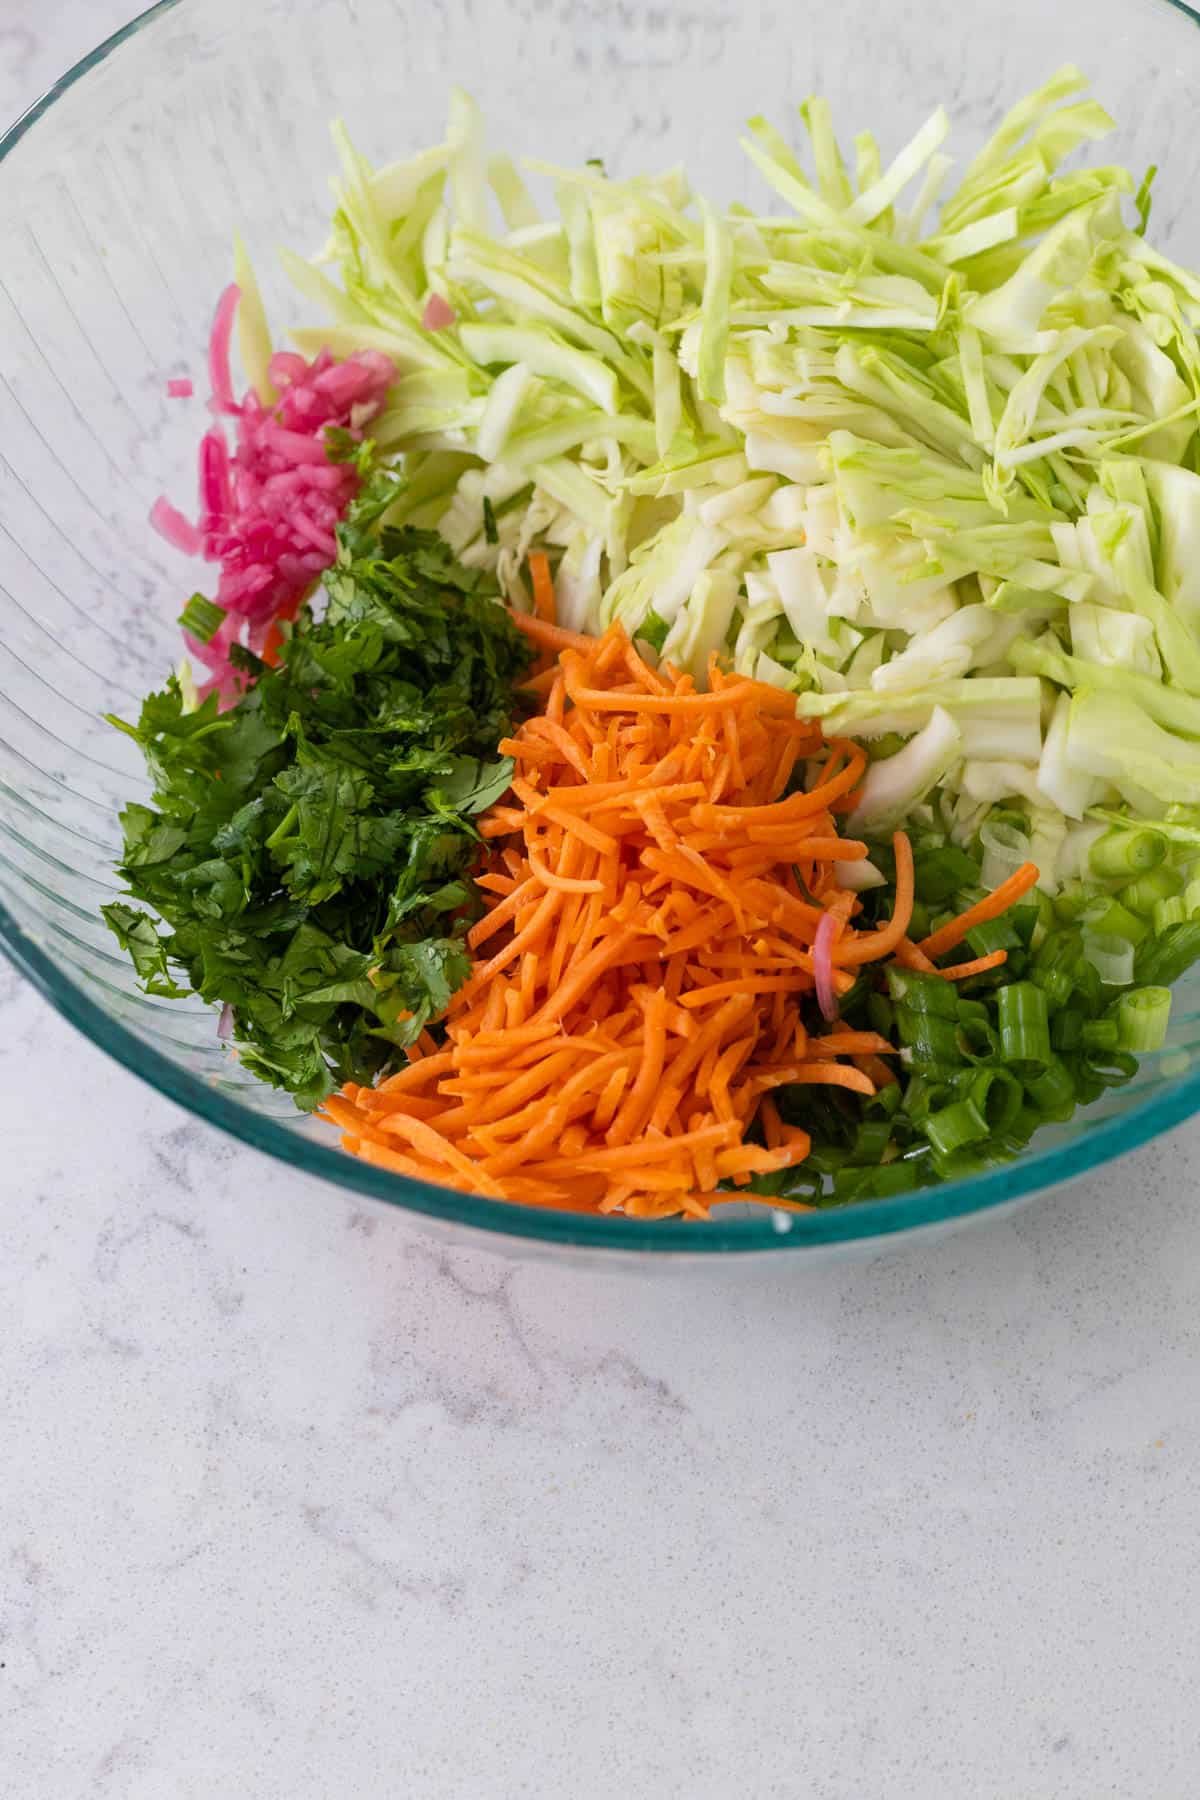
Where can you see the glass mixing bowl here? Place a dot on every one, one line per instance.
(119, 195)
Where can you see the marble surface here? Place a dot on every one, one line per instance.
(295, 1506)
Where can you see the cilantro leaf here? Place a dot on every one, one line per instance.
(135, 933)
(471, 786)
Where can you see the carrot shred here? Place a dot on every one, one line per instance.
(876, 1070)
(869, 945)
(544, 604)
(909, 957)
(948, 936)
(646, 948)
(550, 636)
(850, 1043)
(979, 966)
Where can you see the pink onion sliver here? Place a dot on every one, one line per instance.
(214, 656)
(238, 588)
(438, 313)
(381, 367)
(292, 444)
(225, 1022)
(180, 387)
(324, 541)
(343, 384)
(228, 686)
(214, 479)
(220, 379)
(329, 479)
(170, 523)
(823, 965)
(286, 367)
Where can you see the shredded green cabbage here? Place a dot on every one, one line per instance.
(933, 467)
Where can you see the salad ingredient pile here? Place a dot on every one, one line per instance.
(269, 511)
(670, 906)
(661, 909)
(849, 828)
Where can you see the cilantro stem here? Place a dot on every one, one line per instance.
(284, 827)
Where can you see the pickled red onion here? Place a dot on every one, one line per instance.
(269, 508)
(822, 955)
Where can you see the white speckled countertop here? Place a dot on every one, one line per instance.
(296, 1507)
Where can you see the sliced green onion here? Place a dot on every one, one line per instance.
(887, 1099)
(993, 934)
(1127, 852)
(1053, 1090)
(1111, 1068)
(1072, 898)
(921, 923)
(876, 1183)
(996, 1095)
(1024, 1126)
(970, 1160)
(1191, 898)
(1143, 895)
(1089, 988)
(202, 618)
(941, 872)
(1088, 1085)
(1056, 966)
(1004, 850)
(1142, 1017)
(1170, 912)
(1067, 1029)
(826, 1160)
(1024, 1023)
(1044, 916)
(921, 1096)
(881, 1013)
(1162, 960)
(1108, 918)
(796, 1184)
(970, 1011)
(1112, 957)
(931, 1039)
(975, 1026)
(922, 993)
(953, 1126)
(1099, 1034)
(871, 1140)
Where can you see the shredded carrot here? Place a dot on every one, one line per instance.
(948, 936)
(869, 945)
(646, 949)
(850, 1043)
(544, 604)
(772, 1124)
(980, 965)
(909, 957)
(876, 1071)
(551, 636)
(274, 643)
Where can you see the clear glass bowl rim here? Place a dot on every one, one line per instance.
(857, 1223)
